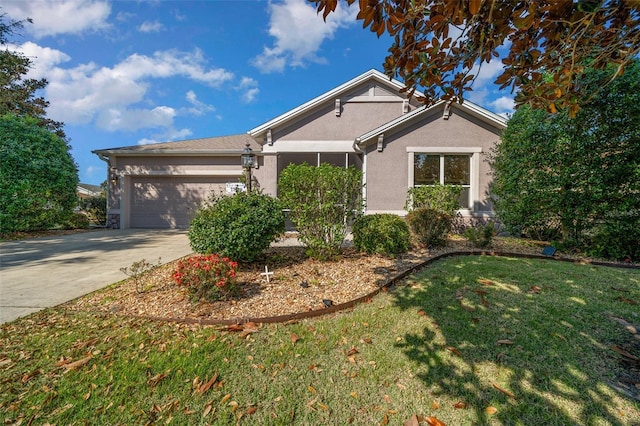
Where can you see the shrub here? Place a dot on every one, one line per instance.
(239, 226)
(76, 221)
(481, 236)
(618, 239)
(96, 208)
(322, 201)
(385, 234)
(442, 198)
(430, 227)
(210, 277)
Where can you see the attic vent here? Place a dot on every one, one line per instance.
(380, 142)
(269, 138)
(447, 111)
(338, 110)
(405, 106)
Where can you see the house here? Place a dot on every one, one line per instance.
(367, 122)
(85, 190)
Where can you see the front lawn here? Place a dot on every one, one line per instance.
(470, 340)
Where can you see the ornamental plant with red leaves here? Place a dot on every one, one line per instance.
(210, 277)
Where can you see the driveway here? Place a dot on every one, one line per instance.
(48, 271)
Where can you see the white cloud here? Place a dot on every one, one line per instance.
(250, 90)
(52, 17)
(503, 105)
(91, 170)
(134, 119)
(198, 108)
(151, 27)
(168, 135)
(43, 58)
(112, 96)
(299, 32)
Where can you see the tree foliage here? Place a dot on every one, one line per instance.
(38, 177)
(322, 201)
(19, 95)
(439, 44)
(574, 178)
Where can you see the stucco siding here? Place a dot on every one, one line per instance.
(388, 171)
(355, 118)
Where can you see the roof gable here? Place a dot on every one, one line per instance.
(490, 118)
(353, 90)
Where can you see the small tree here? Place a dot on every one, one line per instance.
(38, 177)
(322, 201)
(240, 226)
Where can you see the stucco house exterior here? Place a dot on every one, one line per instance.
(366, 122)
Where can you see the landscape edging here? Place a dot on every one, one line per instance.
(389, 283)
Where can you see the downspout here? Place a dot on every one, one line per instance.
(358, 150)
(107, 160)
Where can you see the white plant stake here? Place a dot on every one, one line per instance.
(266, 273)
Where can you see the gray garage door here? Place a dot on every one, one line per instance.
(170, 202)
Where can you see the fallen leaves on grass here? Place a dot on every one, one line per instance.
(503, 390)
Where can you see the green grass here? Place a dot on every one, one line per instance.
(420, 349)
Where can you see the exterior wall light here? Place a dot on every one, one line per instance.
(248, 162)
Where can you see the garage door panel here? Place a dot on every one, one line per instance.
(170, 202)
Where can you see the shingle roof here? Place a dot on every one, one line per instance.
(232, 144)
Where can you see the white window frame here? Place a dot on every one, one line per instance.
(473, 152)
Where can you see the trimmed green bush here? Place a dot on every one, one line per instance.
(443, 198)
(322, 201)
(76, 221)
(430, 227)
(385, 234)
(481, 236)
(239, 226)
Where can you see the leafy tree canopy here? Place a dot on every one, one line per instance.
(19, 95)
(577, 178)
(439, 44)
(38, 177)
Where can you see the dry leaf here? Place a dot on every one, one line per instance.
(484, 302)
(490, 410)
(354, 394)
(294, 338)
(79, 363)
(387, 399)
(435, 405)
(460, 405)
(504, 391)
(505, 342)
(352, 351)
(207, 409)
(454, 350)
(485, 281)
(156, 379)
(536, 289)
(624, 353)
(322, 406)
(434, 421)
(385, 420)
(225, 398)
(413, 421)
(234, 406)
(206, 386)
(312, 389)
(479, 291)
(252, 409)
(422, 313)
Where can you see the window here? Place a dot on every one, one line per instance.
(444, 169)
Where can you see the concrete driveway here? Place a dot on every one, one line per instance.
(48, 271)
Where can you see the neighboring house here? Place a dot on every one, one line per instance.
(366, 122)
(84, 190)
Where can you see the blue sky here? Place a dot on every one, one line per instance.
(133, 72)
